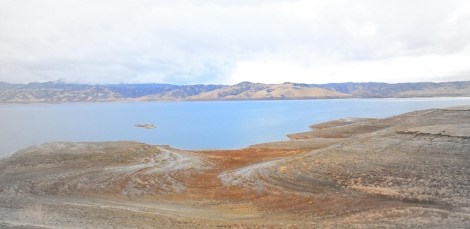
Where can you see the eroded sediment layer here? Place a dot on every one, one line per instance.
(411, 170)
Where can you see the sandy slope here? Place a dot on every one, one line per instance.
(411, 170)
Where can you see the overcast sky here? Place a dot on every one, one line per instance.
(229, 41)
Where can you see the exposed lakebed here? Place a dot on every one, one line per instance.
(406, 171)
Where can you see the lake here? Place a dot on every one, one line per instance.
(189, 125)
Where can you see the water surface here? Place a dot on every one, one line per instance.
(189, 125)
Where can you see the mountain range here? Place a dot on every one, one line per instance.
(58, 92)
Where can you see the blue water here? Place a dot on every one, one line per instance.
(189, 125)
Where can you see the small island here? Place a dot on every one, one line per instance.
(146, 126)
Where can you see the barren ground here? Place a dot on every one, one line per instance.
(407, 171)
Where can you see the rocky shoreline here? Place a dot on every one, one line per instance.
(406, 171)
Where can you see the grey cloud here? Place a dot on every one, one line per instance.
(184, 41)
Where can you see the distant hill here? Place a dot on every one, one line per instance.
(58, 92)
(68, 93)
(247, 90)
(384, 90)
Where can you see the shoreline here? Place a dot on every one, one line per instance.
(342, 173)
(438, 103)
(229, 100)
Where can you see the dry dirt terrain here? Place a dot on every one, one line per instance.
(407, 171)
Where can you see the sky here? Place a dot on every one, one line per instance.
(230, 41)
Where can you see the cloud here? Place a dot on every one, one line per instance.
(393, 70)
(209, 41)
